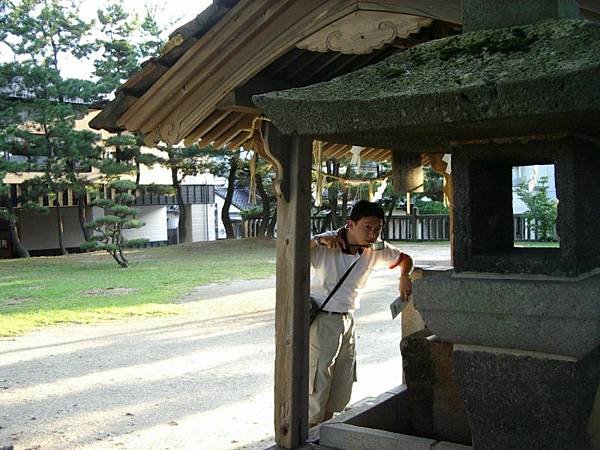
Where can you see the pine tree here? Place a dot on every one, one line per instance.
(40, 34)
(119, 215)
(541, 211)
(183, 162)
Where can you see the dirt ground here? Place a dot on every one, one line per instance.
(200, 380)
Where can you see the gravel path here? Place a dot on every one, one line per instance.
(199, 380)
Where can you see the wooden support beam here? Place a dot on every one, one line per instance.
(293, 157)
(240, 99)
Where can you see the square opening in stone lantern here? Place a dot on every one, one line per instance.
(484, 226)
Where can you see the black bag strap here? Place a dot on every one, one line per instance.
(334, 290)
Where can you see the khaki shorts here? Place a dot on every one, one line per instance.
(332, 364)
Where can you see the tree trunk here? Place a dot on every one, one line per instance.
(18, 249)
(266, 206)
(233, 162)
(15, 242)
(138, 172)
(272, 223)
(332, 193)
(345, 195)
(388, 220)
(87, 233)
(59, 224)
(182, 227)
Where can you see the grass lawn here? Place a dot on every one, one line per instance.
(90, 287)
(535, 244)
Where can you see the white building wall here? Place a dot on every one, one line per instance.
(155, 229)
(155, 218)
(532, 174)
(40, 231)
(202, 222)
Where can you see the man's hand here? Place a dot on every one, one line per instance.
(330, 241)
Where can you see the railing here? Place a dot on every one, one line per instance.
(413, 227)
(250, 227)
(524, 230)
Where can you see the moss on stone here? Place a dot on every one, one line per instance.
(482, 57)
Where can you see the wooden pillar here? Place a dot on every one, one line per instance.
(292, 158)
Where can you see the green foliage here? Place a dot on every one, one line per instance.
(40, 106)
(118, 216)
(431, 207)
(541, 211)
(252, 213)
(123, 40)
(122, 185)
(136, 243)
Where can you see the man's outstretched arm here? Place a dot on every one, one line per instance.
(405, 263)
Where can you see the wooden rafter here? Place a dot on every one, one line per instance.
(222, 127)
(239, 140)
(210, 122)
(244, 123)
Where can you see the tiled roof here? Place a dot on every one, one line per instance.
(241, 197)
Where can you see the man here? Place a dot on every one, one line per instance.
(332, 341)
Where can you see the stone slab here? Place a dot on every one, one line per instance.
(487, 14)
(524, 401)
(450, 446)
(351, 437)
(561, 318)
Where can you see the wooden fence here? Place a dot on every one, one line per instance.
(413, 227)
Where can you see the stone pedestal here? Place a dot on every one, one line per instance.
(436, 409)
(527, 400)
(526, 355)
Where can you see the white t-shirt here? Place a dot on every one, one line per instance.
(329, 265)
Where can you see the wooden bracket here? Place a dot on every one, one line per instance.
(275, 149)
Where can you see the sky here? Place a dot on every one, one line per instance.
(169, 11)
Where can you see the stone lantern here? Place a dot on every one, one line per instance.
(520, 86)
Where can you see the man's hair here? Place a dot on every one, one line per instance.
(366, 209)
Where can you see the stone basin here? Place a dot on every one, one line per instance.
(559, 317)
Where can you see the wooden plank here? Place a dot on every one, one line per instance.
(292, 289)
